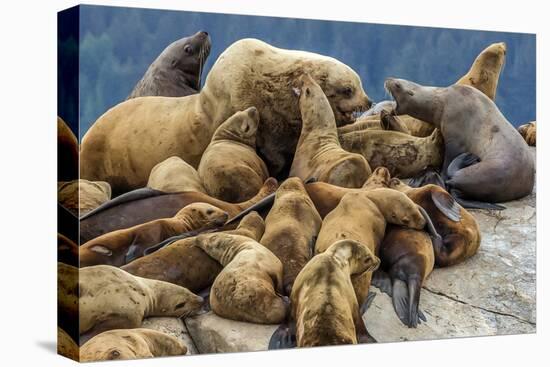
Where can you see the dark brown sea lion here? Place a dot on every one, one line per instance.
(122, 246)
(177, 71)
(145, 205)
(67, 152)
(529, 133)
(184, 263)
(131, 344)
(291, 228)
(471, 125)
(67, 250)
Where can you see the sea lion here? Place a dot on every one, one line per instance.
(177, 71)
(131, 344)
(67, 152)
(323, 301)
(362, 216)
(126, 142)
(183, 263)
(82, 196)
(66, 346)
(230, 169)
(460, 234)
(111, 298)
(407, 257)
(318, 153)
(404, 155)
(291, 228)
(471, 124)
(529, 133)
(67, 250)
(120, 247)
(67, 299)
(250, 285)
(175, 175)
(124, 212)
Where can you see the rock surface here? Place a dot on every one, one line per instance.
(171, 326)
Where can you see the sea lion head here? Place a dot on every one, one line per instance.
(397, 208)
(413, 99)
(187, 56)
(493, 57)
(380, 177)
(291, 184)
(359, 256)
(203, 214)
(241, 127)
(175, 301)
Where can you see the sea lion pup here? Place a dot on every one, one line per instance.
(460, 235)
(323, 301)
(185, 264)
(404, 155)
(120, 247)
(529, 133)
(82, 196)
(175, 175)
(67, 152)
(66, 346)
(111, 298)
(230, 169)
(362, 216)
(471, 124)
(318, 153)
(67, 250)
(131, 344)
(126, 142)
(407, 255)
(291, 228)
(145, 205)
(250, 285)
(326, 196)
(177, 71)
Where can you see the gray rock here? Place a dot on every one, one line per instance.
(171, 326)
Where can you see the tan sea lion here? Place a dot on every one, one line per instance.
(472, 127)
(175, 175)
(67, 299)
(460, 234)
(250, 285)
(177, 71)
(318, 153)
(185, 264)
(291, 228)
(82, 196)
(126, 142)
(144, 205)
(323, 301)
(529, 133)
(362, 216)
(230, 169)
(66, 346)
(67, 152)
(404, 155)
(120, 247)
(111, 298)
(131, 344)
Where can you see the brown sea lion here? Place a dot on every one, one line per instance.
(67, 152)
(145, 205)
(323, 300)
(291, 228)
(66, 346)
(472, 126)
(120, 247)
(67, 250)
(362, 216)
(131, 344)
(175, 175)
(404, 155)
(250, 285)
(529, 133)
(318, 153)
(111, 298)
(82, 196)
(183, 263)
(407, 257)
(177, 71)
(460, 234)
(126, 142)
(230, 169)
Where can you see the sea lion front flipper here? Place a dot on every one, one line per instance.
(391, 122)
(284, 337)
(431, 228)
(461, 161)
(368, 301)
(446, 205)
(133, 252)
(473, 204)
(382, 281)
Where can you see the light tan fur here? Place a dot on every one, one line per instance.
(82, 196)
(175, 175)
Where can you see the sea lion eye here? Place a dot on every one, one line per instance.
(347, 91)
(188, 49)
(179, 305)
(307, 92)
(210, 211)
(114, 354)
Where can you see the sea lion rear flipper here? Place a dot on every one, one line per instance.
(446, 205)
(426, 177)
(368, 301)
(461, 161)
(473, 204)
(284, 337)
(382, 281)
(265, 202)
(406, 296)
